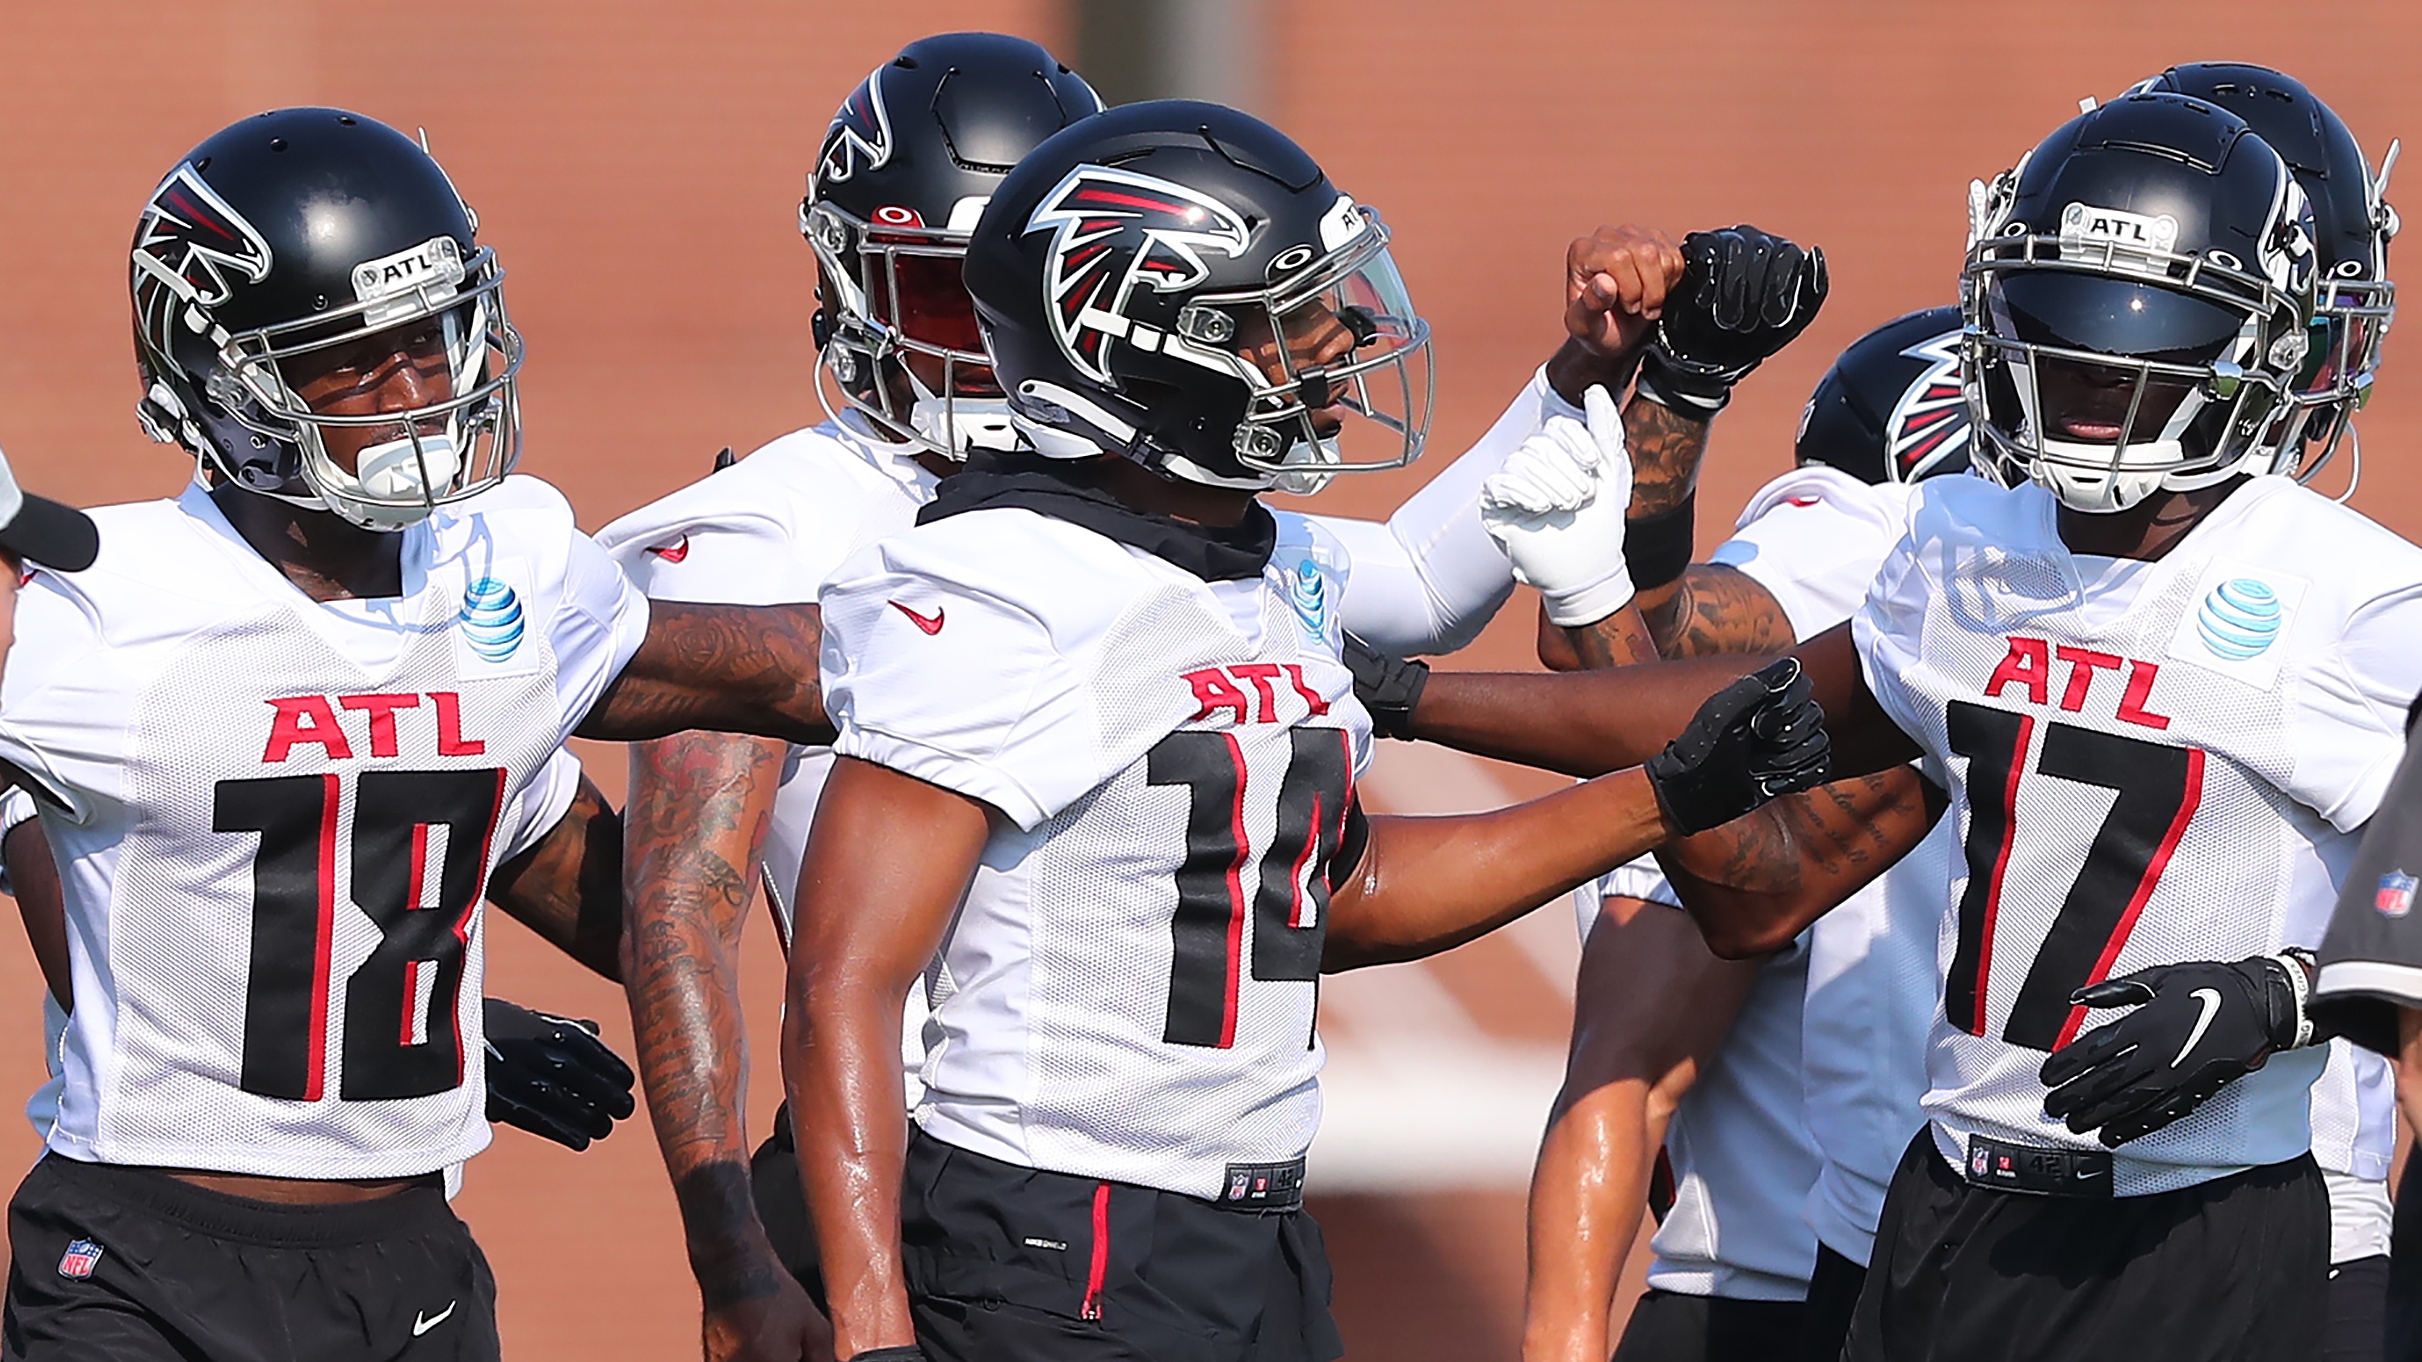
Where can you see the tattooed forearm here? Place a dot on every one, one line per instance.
(1754, 883)
(1619, 640)
(1666, 447)
(699, 808)
(729, 668)
(1717, 609)
(568, 888)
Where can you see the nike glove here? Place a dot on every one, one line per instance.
(552, 1076)
(1744, 295)
(1388, 687)
(2197, 1028)
(1556, 509)
(1759, 737)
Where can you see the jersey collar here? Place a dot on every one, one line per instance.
(1055, 488)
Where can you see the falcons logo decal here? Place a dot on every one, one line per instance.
(1117, 230)
(192, 247)
(1929, 424)
(860, 135)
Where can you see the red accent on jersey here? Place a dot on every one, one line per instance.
(2083, 663)
(2001, 861)
(450, 740)
(381, 709)
(462, 924)
(1295, 877)
(1295, 678)
(1236, 900)
(301, 719)
(330, 794)
(2029, 663)
(1260, 675)
(931, 625)
(2144, 888)
(1097, 1270)
(675, 551)
(1213, 691)
(1802, 501)
(2140, 689)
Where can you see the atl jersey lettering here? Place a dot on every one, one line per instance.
(275, 819)
(2150, 762)
(1135, 965)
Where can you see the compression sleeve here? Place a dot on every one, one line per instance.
(1430, 579)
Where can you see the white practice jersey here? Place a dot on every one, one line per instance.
(274, 821)
(1133, 972)
(1740, 1153)
(2149, 762)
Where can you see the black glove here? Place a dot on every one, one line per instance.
(2197, 1027)
(552, 1076)
(1389, 687)
(1744, 295)
(1759, 737)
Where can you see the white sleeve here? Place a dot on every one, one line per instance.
(2347, 718)
(600, 621)
(62, 702)
(1814, 538)
(982, 704)
(734, 560)
(541, 804)
(1431, 578)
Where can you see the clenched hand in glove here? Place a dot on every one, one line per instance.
(1762, 736)
(2197, 1027)
(1744, 295)
(552, 1076)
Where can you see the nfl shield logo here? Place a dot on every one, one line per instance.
(80, 1258)
(2396, 894)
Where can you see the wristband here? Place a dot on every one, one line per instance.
(904, 1353)
(2297, 961)
(1657, 548)
(1677, 385)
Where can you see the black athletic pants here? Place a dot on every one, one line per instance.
(2230, 1270)
(2405, 1266)
(1667, 1326)
(1008, 1264)
(132, 1265)
(1833, 1296)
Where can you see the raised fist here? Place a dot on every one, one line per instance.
(1744, 294)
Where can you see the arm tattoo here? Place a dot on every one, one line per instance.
(1718, 609)
(1666, 447)
(729, 668)
(699, 808)
(568, 888)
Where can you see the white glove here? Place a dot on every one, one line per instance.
(1557, 507)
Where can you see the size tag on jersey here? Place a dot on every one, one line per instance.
(2044, 1172)
(1263, 1186)
(2238, 621)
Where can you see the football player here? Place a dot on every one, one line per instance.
(2158, 720)
(1675, 1047)
(286, 731)
(1127, 821)
(907, 162)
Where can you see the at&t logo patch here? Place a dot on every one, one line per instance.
(2239, 619)
(491, 619)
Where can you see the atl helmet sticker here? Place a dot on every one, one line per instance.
(192, 247)
(1116, 230)
(860, 135)
(1929, 422)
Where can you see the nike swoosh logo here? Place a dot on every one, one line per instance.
(675, 551)
(421, 1326)
(2210, 999)
(930, 624)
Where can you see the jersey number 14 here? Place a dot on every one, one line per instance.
(419, 852)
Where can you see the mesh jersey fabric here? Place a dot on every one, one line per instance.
(1134, 968)
(2192, 741)
(1740, 1151)
(248, 784)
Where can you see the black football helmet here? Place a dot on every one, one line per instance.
(906, 167)
(2135, 305)
(295, 232)
(1179, 283)
(1891, 409)
(2353, 302)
